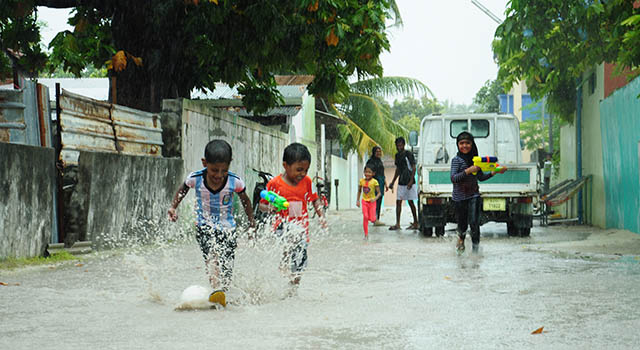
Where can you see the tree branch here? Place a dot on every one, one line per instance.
(58, 4)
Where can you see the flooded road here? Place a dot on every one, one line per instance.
(398, 291)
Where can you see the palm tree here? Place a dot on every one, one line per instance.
(369, 121)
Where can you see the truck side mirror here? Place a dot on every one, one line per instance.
(522, 144)
(413, 138)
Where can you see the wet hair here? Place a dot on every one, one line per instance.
(400, 139)
(296, 152)
(218, 151)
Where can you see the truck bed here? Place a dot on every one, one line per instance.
(519, 180)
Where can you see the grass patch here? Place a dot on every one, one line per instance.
(13, 263)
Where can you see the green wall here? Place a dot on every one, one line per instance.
(592, 147)
(620, 128)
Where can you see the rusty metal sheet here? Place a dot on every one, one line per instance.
(92, 125)
(12, 123)
(87, 107)
(44, 115)
(22, 120)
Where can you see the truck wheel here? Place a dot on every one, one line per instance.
(525, 232)
(439, 231)
(427, 231)
(512, 231)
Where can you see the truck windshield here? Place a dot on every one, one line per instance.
(479, 128)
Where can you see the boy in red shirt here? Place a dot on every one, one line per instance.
(295, 186)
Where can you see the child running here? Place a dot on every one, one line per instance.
(466, 194)
(293, 222)
(215, 225)
(370, 189)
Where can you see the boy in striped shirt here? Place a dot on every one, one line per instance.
(215, 225)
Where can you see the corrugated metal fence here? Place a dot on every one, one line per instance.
(24, 116)
(620, 130)
(92, 125)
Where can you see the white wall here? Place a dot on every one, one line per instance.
(254, 145)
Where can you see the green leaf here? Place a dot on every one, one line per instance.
(631, 20)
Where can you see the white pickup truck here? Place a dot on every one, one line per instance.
(507, 197)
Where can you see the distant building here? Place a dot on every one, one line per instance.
(519, 103)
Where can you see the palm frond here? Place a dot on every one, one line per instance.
(352, 137)
(391, 86)
(372, 119)
(395, 13)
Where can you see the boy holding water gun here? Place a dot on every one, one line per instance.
(466, 193)
(292, 219)
(215, 225)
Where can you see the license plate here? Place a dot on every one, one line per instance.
(494, 204)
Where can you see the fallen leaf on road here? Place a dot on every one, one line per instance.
(447, 278)
(79, 265)
(9, 284)
(538, 331)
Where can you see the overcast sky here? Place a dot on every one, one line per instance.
(446, 44)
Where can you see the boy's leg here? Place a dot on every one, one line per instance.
(398, 213)
(204, 237)
(298, 261)
(225, 249)
(415, 215)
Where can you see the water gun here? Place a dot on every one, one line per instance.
(488, 163)
(275, 199)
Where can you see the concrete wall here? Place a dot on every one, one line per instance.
(27, 183)
(119, 195)
(592, 145)
(304, 124)
(620, 128)
(340, 171)
(254, 145)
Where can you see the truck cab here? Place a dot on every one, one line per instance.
(507, 197)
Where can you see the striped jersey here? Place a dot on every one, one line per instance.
(465, 186)
(214, 208)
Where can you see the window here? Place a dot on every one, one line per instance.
(479, 128)
(458, 126)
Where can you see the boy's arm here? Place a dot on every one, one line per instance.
(265, 208)
(395, 176)
(177, 198)
(248, 208)
(358, 196)
(317, 205)
(378, 193)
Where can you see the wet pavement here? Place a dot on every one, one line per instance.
(397, 290)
